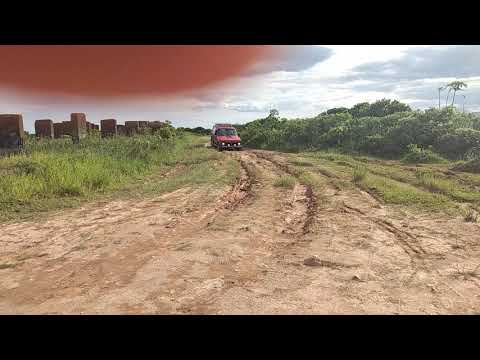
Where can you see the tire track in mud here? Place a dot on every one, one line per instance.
(74, 273)
(414, 251)
(311, 203)
(403, 238)
(312, 207)
(259, 243)
(419, 258)
(236, 195)
(210, 293)
(267, 243)
(241, 190)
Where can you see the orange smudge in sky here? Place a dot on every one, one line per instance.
(123, 70)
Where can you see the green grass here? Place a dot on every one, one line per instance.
(302, 163)
(57, 174)
(394, 192)
(387, 180)
(359, 173)
(461, 187)
(285, 181)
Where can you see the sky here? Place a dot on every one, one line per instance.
(202, 85)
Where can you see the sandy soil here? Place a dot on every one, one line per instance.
(242, 250)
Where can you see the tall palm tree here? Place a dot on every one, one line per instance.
(440, 89)
(456, 86)
(449, 90)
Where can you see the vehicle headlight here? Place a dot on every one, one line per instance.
(239, 144)
(223, 143)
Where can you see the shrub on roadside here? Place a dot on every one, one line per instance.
(417, 155)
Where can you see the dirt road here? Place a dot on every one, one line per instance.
(242, 250)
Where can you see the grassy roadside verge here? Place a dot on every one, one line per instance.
(52, 175)
(429, 187)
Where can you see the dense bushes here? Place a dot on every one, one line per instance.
(379, 108)
(457, 143)
(198, 130)
(389, 129)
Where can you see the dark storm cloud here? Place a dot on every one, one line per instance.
(423, 63)
(292, 58)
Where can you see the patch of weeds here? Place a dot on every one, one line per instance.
(285, 181)
(7, 266)
(470, 216)
(301, 163)
(427, 179)
(359, 174)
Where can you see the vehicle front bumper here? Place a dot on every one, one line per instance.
(230, 147)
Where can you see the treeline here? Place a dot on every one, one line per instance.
(198, 130)
(383, 128)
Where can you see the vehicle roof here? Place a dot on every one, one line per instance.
(223, 126)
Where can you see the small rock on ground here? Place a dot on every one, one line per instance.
(312, 261)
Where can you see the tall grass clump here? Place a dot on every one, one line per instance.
(60, 170)
(427, 179)
(285, 181)
(359, 173)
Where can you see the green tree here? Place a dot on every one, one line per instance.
(360, 110)
(456, 86)
(395, 106)
(274, 113)
(448, 95)
(340, 110)
(440, 89)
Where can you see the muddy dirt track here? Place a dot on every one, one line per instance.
(242, 250)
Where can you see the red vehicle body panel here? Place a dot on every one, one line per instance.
(231, 142)
(228, 138)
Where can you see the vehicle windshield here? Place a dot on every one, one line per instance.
(226, 132)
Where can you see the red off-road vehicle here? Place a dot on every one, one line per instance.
(225, 137)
